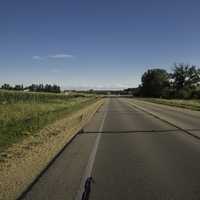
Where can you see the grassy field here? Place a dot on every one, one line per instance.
(193, 104)
(23, 113)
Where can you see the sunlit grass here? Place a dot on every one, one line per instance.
(22, 117)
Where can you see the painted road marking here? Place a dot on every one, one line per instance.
(88, 170)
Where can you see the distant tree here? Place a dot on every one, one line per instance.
(137, 91)
(55, 89)
(6, 86)
(185, 76)
(131, 91)
(155, 82)
(91, 91)
(47, 88)
(40, 88)
(33, 88)
(18, 87)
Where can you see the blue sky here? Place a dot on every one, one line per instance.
(95, 44)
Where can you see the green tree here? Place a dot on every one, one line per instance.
(155, 82)
(6, 87)
(185, 76)
(18, 87)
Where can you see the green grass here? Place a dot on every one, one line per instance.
(23, 114)
(17, 96)
(193, 104)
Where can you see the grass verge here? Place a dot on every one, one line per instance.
(189, 104)
(23, 114)
(22, 162)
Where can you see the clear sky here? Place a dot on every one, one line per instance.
(97, 44)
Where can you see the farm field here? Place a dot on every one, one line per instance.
(23, 113)
(193, 104)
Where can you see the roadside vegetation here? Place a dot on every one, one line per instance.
(180, 87)
(182, 83)
(193, 104)
(33, 88)
(25, 113)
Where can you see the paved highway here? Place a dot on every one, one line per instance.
(129, 154)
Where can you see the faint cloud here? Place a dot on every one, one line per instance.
(60, 56)
(55, 70)
(37, 58)
(55, 56)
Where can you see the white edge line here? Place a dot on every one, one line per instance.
(91, 160)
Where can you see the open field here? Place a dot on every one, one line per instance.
(23, 114)
(193, 104)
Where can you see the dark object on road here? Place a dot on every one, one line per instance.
(87, 190)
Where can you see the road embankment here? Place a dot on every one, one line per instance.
(23, 162)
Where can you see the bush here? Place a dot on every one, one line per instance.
(184, 93)
(195, 94)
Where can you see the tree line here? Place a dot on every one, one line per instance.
(33, 88)
(183, 82)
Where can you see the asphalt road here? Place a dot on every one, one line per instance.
(184, 118)
(130, 155)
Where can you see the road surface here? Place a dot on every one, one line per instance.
(130, 154)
